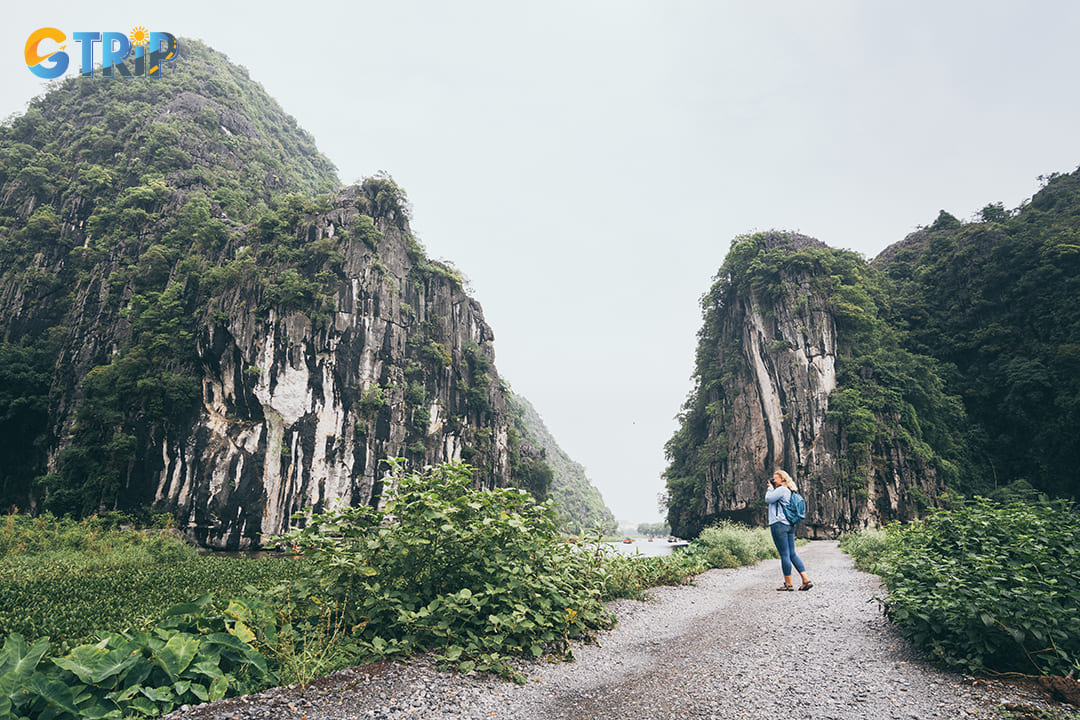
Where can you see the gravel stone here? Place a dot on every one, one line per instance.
(728, 646)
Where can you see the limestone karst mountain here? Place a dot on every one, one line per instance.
(946, 367)
(789, 330)
(196, 318)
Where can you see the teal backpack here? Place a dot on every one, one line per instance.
(794, 509)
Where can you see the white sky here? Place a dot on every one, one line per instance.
(586, 163)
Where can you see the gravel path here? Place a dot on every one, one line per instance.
(729, 646)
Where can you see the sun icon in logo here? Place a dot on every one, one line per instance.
(139, 36)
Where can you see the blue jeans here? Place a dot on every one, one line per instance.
(783, 536)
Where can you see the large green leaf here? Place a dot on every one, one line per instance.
(242, 632)
(100, 712)
(200, 692)
(17, 657)
(218, 688)
(145, 706)
(177, 654)
(11, 683)
(82, 661)
(54, 692)
(116, 662)
(123, 695)
(140, 670)
(158, 694)
(207, 669)
(190, 608)
(220, 641)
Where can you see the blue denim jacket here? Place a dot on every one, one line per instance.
(775, 496)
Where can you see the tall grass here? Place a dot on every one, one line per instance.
(724, 545)
(729, 545)
(866, 548)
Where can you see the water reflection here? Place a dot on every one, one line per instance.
(641, 546)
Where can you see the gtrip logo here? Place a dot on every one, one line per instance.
(136, 54)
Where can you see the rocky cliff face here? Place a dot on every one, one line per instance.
(296, 415)
(185, 326)
(768, 379)
(297, 409)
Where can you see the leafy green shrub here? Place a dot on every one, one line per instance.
(373, 400)
(629, 576)
(724, 545)
(728, 545)
(130, 674)
(988, 586)
(866, 547)
(474, 575)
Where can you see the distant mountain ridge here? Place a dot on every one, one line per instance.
(581, 506)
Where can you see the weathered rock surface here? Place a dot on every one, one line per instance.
(773, 351)
(297, 416)
(298, 410)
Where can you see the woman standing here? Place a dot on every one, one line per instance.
(783, 533)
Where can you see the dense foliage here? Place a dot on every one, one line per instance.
(866, 547)
(987, 586)
(473, 575)
(141, 674)
(141, 223)
(960, 343)
(138, 195)
(67, 580)
(996, 300)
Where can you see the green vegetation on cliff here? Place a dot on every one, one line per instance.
(581, 508)
(997, 301)
(885, 393)
(145, 224)
(959, 345)
(145, 199)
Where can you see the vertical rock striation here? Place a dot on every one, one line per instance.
(296, 414)
(767, 374)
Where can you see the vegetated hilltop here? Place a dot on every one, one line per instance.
(948, 364)
(798, 367)
(581, 507)
(998, 302)
(185, 324)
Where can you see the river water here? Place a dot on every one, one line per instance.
(641, 546)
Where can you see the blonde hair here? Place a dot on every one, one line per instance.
(786, 480)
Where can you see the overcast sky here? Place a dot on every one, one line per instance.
(586, 164)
